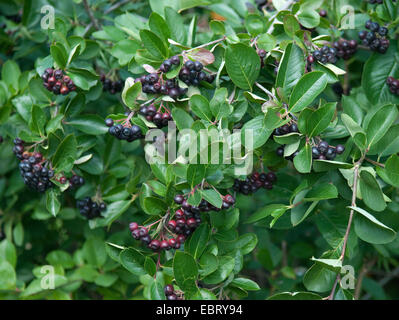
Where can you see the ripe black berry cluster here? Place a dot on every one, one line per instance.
(89, 208)
(126, 132)
(171, 294)
(76, 181)
(111, 86)
(56, 82)
(192, 73)
(154, 84)
(33, 170)
(345, 48)
(375, 39)
(324, 55)
(323, 151)
(285, 129)
(262, 55)
(158, 118)
(254, 182)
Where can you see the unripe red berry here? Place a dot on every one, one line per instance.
(192, 223)
(172, 224)
(133, 226)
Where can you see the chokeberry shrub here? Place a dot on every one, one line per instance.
(118, 122)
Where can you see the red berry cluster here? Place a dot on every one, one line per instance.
(184, 222)
(345, 48)
(153, 115)
(90, 209)
(254, 182)
(171, 294)
(33, 168)
(111, 86)
(56, 82)
(393, 85)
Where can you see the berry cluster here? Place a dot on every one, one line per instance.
(375, 39)
(90, 209)
(324, 55)
(323, 151)
(345, 48)
(184, 222)
(56, 82)
(255, 182)
(111, 86)
(35, 174)
(158, 118)
(154, 84)
(285, 129)
(127, 132)
(393, 85)
(76, 181)
(192, 74)
(168, 64)
(171, 294)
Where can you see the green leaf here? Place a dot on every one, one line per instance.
(255, 24)
(291, 69)
(271, 209)
(313, 122)
(369, 229)
(8, 276)
(195, 174)
(322, 192)
(303, 161)
(130, 92)
(158, 26)
(182, 119)
(309, 18)
(59, 55)
(10, 74)
(319, 279)
(371, 191)
(154, 206)
(212, 197)
(380, 123)
(38, 120)
(306, 90)
(375, 73)
(66, 149)
(94, 252)
(243, 65)
(392, 169)
(197, 243)
(90, 123)
(52, 204)
(154, 44)
(357, 133)
(219, 105)
(332, 264)
(245, 284)
(226, 266)
(266, 42)
(133, 261)
(185, 272)
(200, 106)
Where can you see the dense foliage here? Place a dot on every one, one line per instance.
(83, 207)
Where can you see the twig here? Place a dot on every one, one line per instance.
(271, 95)
(116, 6)
(363, 272)
(91, 16)
(375, 163)
(346, 79)
(348, 228)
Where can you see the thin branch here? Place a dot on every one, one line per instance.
(348, 228)
(363, 272)
(375, 163)
(271, 95)
(116, 6)
(346, 79)
(94, 21)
